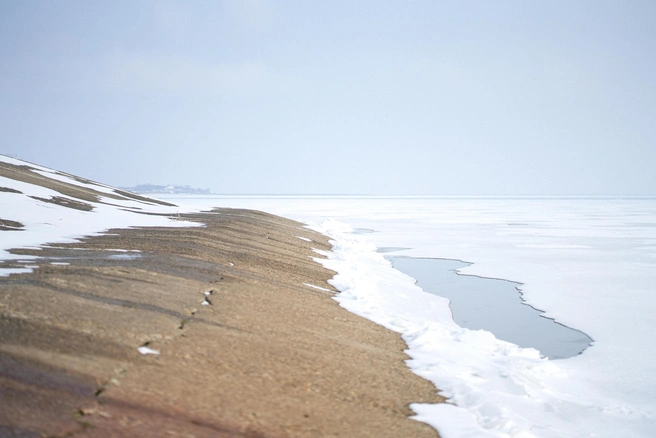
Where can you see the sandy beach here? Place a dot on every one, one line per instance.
(246, 347)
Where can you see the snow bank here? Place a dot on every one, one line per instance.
(506, 391)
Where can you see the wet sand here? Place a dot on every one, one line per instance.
(267, 356)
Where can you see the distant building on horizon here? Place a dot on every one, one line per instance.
(149, 189)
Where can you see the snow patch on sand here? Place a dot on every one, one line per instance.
(146, 350)
(317, 287)
(48, 222)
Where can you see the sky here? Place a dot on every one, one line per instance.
(336, 97)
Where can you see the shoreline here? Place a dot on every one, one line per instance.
(484, 303)
(268, 355)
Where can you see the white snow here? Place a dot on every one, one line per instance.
(145, 350)
(59, 176)
(46, 222)
(313, 286)
(589, 263)
(304, 238)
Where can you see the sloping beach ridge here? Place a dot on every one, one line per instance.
(125, 316)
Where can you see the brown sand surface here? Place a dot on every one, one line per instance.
(268, 356)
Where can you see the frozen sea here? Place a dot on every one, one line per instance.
(588, 263)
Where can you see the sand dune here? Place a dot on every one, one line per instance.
(239, 341)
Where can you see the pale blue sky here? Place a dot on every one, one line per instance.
(352, 97)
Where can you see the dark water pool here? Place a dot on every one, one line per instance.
(493, 305)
